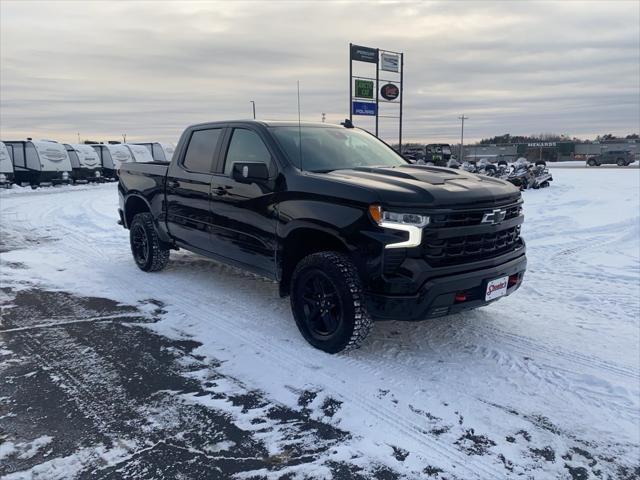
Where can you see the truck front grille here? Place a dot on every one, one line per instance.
(470, 248)
(469, 218)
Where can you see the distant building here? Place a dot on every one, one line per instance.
(548, 151)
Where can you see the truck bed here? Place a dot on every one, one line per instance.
(145, 178)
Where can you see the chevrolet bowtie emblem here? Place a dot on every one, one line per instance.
(494, 217)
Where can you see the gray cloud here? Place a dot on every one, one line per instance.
(150, 68)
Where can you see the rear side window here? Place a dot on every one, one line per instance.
(246, 146)
(201, 149)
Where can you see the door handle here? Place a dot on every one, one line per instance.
(221, 190)
(173, 184)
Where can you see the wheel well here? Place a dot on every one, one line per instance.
(301, 243)
(132, 207)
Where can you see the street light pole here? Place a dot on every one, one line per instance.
(463, 118)
(254, 108)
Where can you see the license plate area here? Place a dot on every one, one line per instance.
(496, 288)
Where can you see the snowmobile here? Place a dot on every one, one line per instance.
(469, 166)
(520, 174)
(541, 175)
(453, 163)
(484, 167)
(502, 170)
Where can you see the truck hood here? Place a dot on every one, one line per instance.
(425, 186)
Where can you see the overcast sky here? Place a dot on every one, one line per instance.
(148, 68)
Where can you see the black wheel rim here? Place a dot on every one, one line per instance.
(320, 304)
(139, 245)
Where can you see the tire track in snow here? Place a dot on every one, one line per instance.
(290, 362)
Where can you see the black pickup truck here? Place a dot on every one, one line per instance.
(350, 230)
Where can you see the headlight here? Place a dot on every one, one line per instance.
(97, 173)
(65, 175)
(3, 177)
(411, 223)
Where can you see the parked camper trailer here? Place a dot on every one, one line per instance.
(111, 157)
(140, 153)
(168, 149)
(6, 167)
(40, 162)
(85, 163)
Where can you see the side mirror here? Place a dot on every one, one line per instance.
(250, 172)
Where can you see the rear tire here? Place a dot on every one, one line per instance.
(621, 162)
(328, 303)
(148, 252)
(591, 163)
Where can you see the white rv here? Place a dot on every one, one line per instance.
(161, 152)
(40, 162)
(85, 162)
(6, 167)
(168, 149)
(140, 153)
(111, 157)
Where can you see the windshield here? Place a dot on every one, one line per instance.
(325, 149)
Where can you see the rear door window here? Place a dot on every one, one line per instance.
(201, 150)
(246, 146)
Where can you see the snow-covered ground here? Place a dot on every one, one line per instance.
(542, 384)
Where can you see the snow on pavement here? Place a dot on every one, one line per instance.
(544, 383)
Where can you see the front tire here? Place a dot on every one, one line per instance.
(328, 303)
(148, 252)
(621, 162)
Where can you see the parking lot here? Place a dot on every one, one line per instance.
(200, 372)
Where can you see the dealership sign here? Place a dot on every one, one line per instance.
(364, 88)
(364, 54)
(363, 108)
(376, 85)
(389, 62)
(389, 91)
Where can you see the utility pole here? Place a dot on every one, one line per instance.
(78, 137)
(254, 108)
(124, 138)
(463, 118)
(324, 115)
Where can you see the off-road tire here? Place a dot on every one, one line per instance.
(621, 163)
(356, 322)
(158, 254)
(592, 163)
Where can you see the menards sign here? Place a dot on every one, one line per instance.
(542, 144)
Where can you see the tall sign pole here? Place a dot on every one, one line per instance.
(401, 100)
(377, 89)
(463, 118)
(350, 82)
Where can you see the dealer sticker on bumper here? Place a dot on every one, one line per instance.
(497, 288)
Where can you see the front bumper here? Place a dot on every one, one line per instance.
(437, 297)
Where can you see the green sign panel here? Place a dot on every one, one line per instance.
(364, 88)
